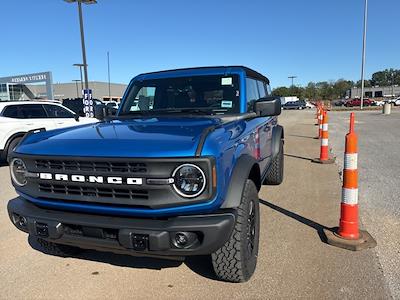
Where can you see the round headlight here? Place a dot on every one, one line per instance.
(18, 171)
(189, 180)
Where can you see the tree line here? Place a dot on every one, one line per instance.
(327, 90)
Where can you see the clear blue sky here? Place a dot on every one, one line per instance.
(313, 39)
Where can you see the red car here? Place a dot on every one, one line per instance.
(357, 102)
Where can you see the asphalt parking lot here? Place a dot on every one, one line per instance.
(294, 261)
(379, 187)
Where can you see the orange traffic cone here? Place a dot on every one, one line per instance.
(319, 122)
(324, 149)
(348, 235)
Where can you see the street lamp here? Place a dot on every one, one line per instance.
(363, 52)
(76, 83)
(80, 69)
(82, 35)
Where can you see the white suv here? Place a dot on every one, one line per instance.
(19, 117)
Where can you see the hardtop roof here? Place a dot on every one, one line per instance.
(205, 70)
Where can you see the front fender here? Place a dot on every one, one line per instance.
(239, 176)
(277, 136)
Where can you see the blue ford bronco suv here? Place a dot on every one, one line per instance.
(176, 172)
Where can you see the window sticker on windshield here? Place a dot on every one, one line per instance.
(226, 81)
(226, 104)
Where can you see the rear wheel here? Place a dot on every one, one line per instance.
(12, 146)
(236, 261)
(275, 172)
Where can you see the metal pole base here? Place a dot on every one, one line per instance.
(365, 241)
(325, 161)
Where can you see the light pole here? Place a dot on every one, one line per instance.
(80, 69)
(393, 95)
(76, 83)
(82, 35)
(363, 52)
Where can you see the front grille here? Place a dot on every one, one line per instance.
(104, 192)
(99, 166)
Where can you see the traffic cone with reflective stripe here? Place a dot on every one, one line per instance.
(317, 112)
(324, 149)
(348, 227)
(319, 122)
(348, 235)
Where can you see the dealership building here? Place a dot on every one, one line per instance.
(41, 86)
(376, 92)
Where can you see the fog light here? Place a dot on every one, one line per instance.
(184, 240)
(19, 220)
(22, 221)
(181, 239)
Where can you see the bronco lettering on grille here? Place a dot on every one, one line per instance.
(91, 179)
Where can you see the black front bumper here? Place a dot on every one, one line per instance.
(126, 235)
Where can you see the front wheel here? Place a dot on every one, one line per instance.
(236, 261)
(14, 143)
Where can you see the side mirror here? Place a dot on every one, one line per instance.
(268, 106)
(100, 112)
(76, 117)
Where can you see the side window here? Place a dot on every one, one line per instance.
(261, 89)
(55, 111)
(251, 93)
(13, 111)
(144, 99)
(33, 111)
(268, 89)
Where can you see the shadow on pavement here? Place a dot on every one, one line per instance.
(302, 136)
(120, 260)
(318, 227)
(201, 265)
(299, 157)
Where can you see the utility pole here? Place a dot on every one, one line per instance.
(108, 67)
(292, 77)
(363, 52)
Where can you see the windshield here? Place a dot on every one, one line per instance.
(216, 94)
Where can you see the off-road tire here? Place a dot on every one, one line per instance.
(275, 173)
(58, 249)
(11, 147)
(236, 261)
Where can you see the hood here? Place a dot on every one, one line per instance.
(151, 137)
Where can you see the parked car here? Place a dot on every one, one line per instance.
(378, 103)
(19, 117)
(340, 102)
(357, 102)
(76, 105)
(397, 102)
(293, 105)
(178, 177)
(309, 105)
